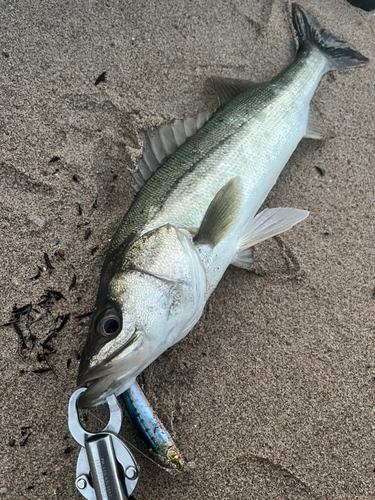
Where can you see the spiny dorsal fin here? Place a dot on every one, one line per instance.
(226, 89)
(221, 214)
(162, 141)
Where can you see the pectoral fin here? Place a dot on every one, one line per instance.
(269, 223)
(221, 214)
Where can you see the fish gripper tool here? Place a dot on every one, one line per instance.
(106, 469)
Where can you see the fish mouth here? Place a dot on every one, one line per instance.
(103, 379)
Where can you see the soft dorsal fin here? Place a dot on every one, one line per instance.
(226, 89)
(221, 214)
(162, 141)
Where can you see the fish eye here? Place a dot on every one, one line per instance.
(109, 324)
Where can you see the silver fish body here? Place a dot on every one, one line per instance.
(196, 215)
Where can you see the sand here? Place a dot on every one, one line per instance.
(271, 395)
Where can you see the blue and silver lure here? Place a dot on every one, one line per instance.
(153, 432)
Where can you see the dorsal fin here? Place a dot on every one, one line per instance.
(162, 141)
(226, 89)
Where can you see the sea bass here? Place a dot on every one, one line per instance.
(196, 214)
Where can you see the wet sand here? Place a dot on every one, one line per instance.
(271, 395)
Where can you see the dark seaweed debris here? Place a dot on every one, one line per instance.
(47, 346)
(101, 78)
(23, 443)
(20, 336)
(41, 370)
(37, 276)
(23, 320)
(20, 311)
(60, 255)
(64, 319)
(47, 261)
(50, 297)
(74, 281)
(84, 315)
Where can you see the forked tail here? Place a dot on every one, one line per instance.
(339, 54)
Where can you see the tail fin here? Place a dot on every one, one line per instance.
(339, 54)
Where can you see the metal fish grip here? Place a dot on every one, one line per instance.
(106, 469)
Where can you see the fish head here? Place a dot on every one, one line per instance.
(152, 298)
(129, 329)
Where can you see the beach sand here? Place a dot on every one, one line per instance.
(271, 396)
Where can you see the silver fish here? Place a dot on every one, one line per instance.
(196, 214)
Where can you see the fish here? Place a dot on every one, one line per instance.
(201, 183)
